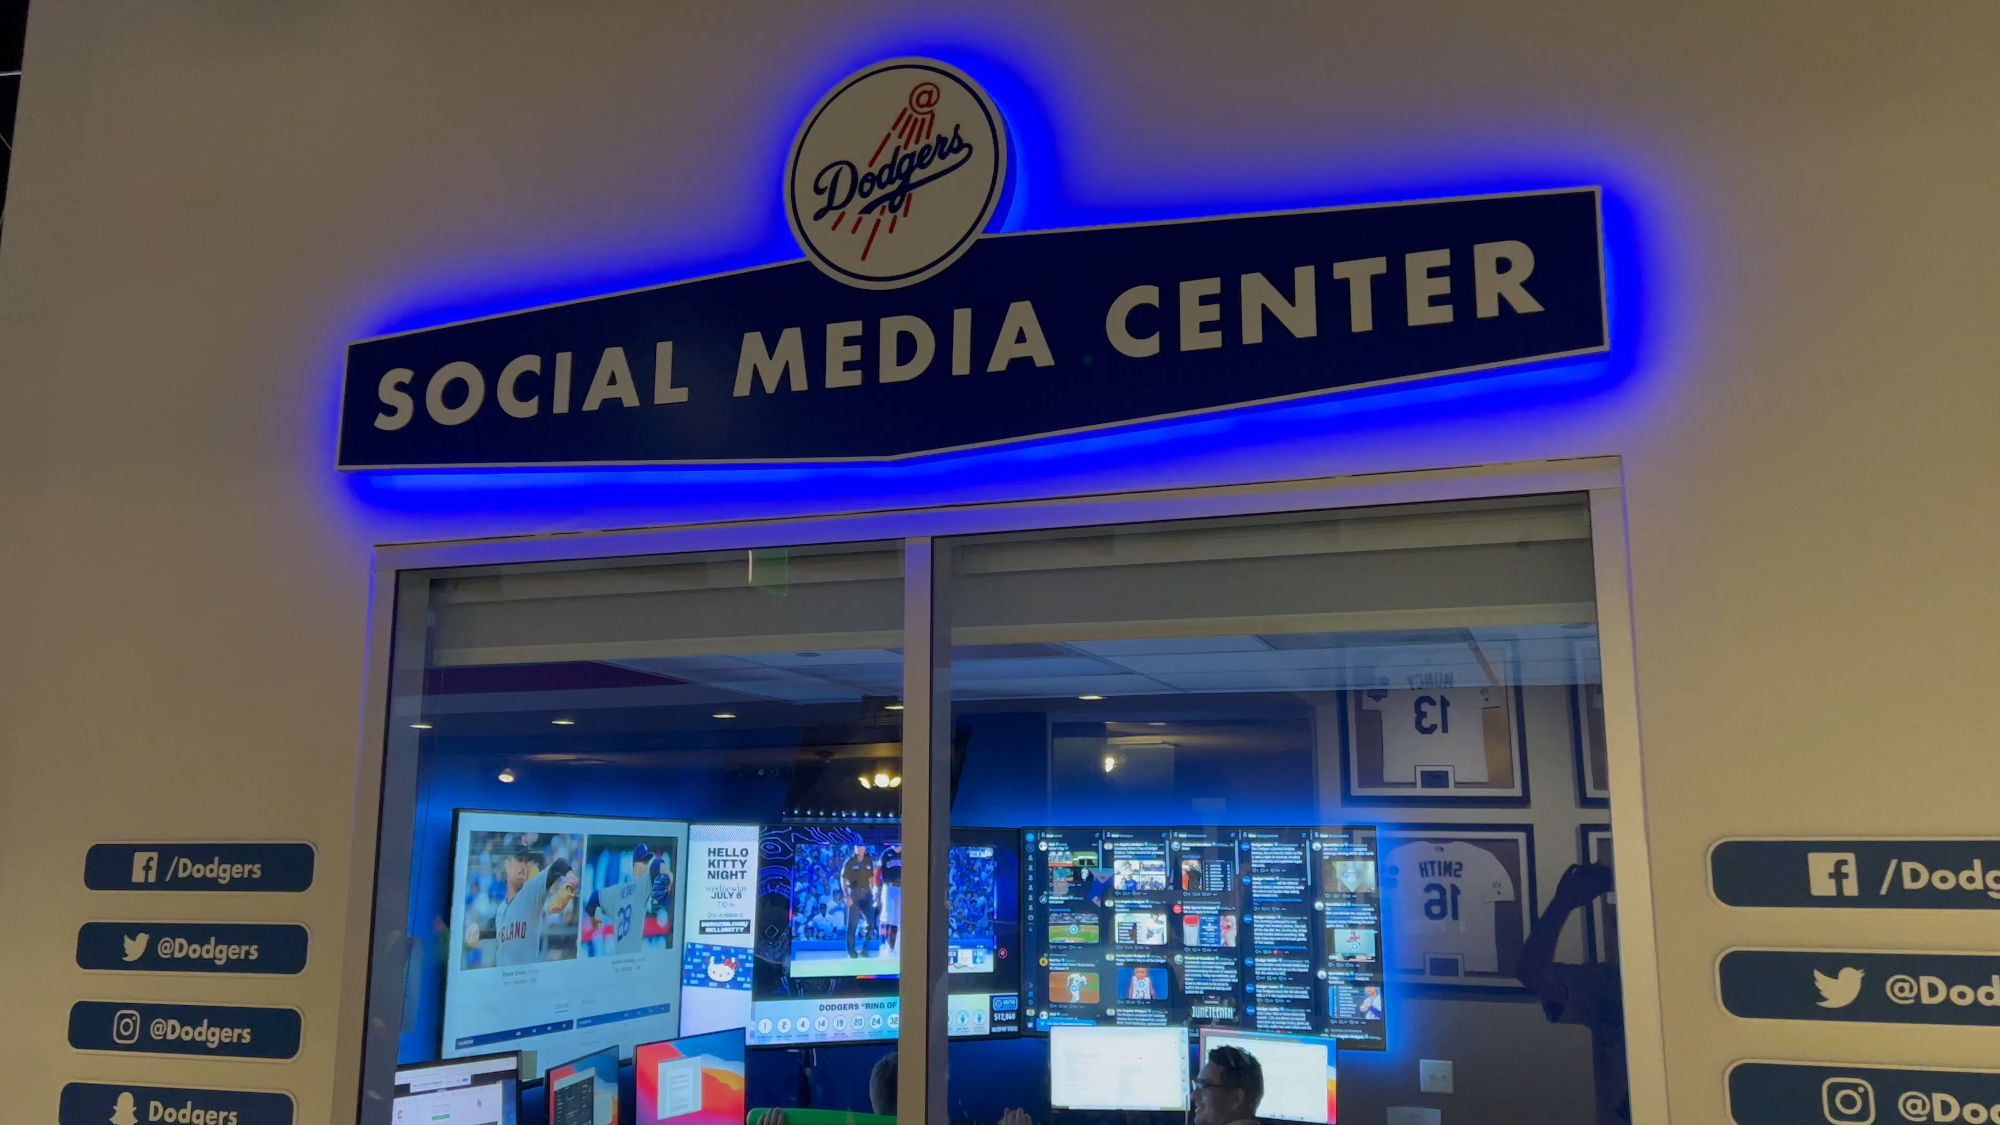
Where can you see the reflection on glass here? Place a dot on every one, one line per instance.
(1221, 738)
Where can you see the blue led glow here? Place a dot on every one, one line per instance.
(1047, 194)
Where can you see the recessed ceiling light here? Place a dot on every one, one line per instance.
(507, 776)
(420, 726)
(1090, 698)
(865, 783)
(1110, 763)
(562, 722)
(895, 782)
(882, 779)
(723, 715)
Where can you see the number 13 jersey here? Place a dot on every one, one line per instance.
(1441, 899)
(1438, 727)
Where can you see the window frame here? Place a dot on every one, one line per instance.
(364, 1052)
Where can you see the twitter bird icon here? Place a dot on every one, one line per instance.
(135, 946)
(1838, 991)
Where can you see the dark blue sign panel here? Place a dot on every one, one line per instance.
(1027, 334)
(192, 947)
(95, 1103)
(1858, 874)
(198, 867)
(1791, 984)
(1835, 1094)
(216, 1031)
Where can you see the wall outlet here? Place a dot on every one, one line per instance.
(1434, 1076)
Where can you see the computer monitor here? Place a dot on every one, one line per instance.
(829, 899)
(1298, 1072)
(565, 933)
(1123, 1068)
(481, 1091)
(1271, 929)
(584, 1091)
(693, 1080)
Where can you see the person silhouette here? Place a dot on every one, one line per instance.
(1588, 995)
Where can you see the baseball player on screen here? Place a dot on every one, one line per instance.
(533, 896)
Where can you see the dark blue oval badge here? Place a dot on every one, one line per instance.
(1762, 1093)
(276, 949)
(1810, 984)
(95, 1103)
(198, 867)
(217, 1031)
(1908, 874)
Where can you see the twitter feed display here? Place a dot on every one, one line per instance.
(1274, 930)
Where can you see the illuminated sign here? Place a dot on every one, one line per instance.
(880, 140)
(915, 331)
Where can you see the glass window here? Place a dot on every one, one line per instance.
(1306, 796)
(639, 838)
(1298, 785)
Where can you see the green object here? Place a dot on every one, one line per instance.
(771, 572)
(820, 1117)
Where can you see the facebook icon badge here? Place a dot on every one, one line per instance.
(145, 867)
(1833, 874)
(1875, 873)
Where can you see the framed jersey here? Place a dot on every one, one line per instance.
(1434, 745)
(1586, 709)
(1457, 902)
(1601, 924)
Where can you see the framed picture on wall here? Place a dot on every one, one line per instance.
(1458, 901)
(1434, 746)
(1601, 922)
(1586, 720)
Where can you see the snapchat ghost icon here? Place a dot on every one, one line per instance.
(123, 1113)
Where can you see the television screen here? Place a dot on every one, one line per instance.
(584, 1091)
(829, 934)
(479, 1091)
(1118, 1068)
(1273, 930)
(719, 937)
(1298, 1072)
(693, 1080)
(564, 934)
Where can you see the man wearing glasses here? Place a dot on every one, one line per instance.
(1227, 1090)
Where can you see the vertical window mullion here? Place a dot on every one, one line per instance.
(921, 1043)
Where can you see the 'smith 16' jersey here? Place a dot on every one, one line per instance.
(1433, 727)
(1441, 899)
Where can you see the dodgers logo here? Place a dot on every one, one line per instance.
(895, 173)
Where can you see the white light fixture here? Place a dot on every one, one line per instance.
(562, 722)
(723, 715)
(1110, 763)
(1156, 724)
(1090, 698)
(507, 775)
(882, 780)
(420, 726)
(893, 707)
(896, 782)
(865, 783)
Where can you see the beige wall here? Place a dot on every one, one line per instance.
(211, 199)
